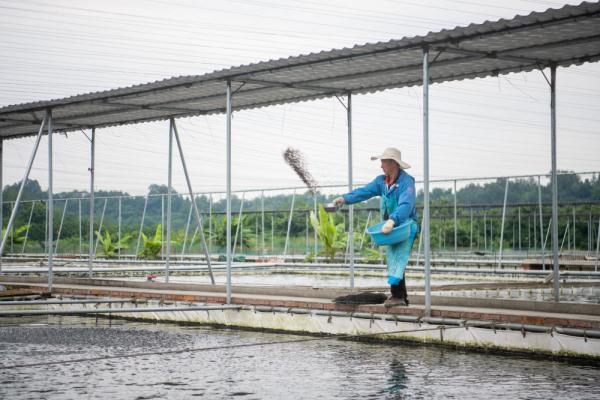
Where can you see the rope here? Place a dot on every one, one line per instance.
(201, 349)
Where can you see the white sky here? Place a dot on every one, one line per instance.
(484, 127)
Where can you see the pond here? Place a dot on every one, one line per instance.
(323, 368)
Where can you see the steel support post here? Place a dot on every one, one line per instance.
(50, 205)
(519, 225)
(162, 226)
(169, 191)
(262, 219)
(45, 228)
(137, 246)
(80, 229)
(350, 207)
(92, 174)
(1, 194)
(187, 229)
(306, 223)
(455, 230)
(564, 237)
(100, 225)
(574, 230)
(238, 226)
(502, 225)
(535, 232)
(210, 205)
(419, 249)
(228, 242)
(193, 237)
(289, 225)
(119, 228)
(62, 220)
(363, 234)
(590, 228)
(542, 242)
(191, 193)
(484, 231)
(597, 247)
(554, 184)
(28, 226)
(12, 236)
(314, 229)
(426, 249)
(491, 234)
(471, 232)
(13, 214)
(528, 234)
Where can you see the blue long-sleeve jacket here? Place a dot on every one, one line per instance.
(403, 192)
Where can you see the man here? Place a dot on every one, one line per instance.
(398, 197)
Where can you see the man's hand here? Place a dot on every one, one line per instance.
(387, 227)
(338, 202)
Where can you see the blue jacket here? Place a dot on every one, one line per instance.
(403, 191)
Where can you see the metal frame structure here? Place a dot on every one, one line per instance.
(557, 37)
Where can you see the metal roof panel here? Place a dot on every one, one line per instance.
(566, 36)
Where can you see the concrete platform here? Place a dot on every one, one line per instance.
(553, 329)
(548, 314)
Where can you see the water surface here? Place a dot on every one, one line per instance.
(322, 369)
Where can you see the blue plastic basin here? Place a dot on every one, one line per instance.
(399, 234)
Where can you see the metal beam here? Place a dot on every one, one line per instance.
(13, 214)
(228, 184)
(1, 196)
(350, 184)
(50, 204)
(291, 85)
(169, 191)
(555, 271)
(193, 199)
(492, 55)
(426, 244)
(502, 224)
(92, 170)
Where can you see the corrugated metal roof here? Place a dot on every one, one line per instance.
(566, 36)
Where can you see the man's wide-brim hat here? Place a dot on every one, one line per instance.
(392, 153)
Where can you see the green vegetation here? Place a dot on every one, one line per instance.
(478, 198)
(110, 248)
(333, 237)
(16, 236)
(219, 231)
(152, 245)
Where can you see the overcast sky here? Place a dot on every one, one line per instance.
(483, 127)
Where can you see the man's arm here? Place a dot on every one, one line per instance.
(371, 189)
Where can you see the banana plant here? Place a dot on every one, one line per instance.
(15, 236)
(153, 245)
(331, 235)
(111, 247)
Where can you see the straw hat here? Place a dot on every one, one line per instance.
(391, 153)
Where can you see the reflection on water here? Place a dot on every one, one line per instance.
(308, 370)
(397, 378)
